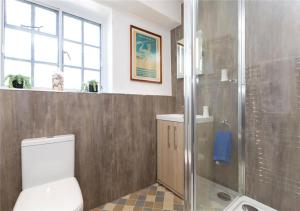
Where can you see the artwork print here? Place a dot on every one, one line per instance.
(146, 64)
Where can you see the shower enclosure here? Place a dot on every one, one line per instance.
(242, 61)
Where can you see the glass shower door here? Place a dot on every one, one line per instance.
(216, 163)
(242, 103)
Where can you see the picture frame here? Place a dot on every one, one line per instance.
(145, 56)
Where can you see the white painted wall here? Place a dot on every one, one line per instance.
(163, 12)
(121, 56)
(169, 8)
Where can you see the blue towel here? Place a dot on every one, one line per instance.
(223, 147)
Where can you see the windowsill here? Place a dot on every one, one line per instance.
(49, 90)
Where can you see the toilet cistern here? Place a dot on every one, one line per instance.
(48, 180)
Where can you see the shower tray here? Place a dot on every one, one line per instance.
(245, 203)
(212, 196)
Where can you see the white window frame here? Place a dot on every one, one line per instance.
(82, 44)
(59, 35)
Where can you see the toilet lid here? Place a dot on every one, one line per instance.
(62, 195)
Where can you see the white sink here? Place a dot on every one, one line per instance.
(171, 117)
(180, 118)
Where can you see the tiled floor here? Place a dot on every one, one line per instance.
(153, 198)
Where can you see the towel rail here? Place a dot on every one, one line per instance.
(226, 122)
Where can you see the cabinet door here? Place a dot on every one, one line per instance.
(178, 157)
(160, 138)
(164, 155)
(169, 156)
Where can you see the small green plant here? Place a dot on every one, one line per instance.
(90, 86)
(18, 81)
(94, 84)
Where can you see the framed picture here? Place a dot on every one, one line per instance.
(145, 56)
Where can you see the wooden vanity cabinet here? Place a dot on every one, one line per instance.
(170, 155)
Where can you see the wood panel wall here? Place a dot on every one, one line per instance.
(115, 139)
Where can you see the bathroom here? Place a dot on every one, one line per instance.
(206, 120)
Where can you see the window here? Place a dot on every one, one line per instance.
(81, 51)
(39, 41)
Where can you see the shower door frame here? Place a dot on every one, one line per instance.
(190, 20)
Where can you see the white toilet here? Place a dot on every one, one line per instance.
(48, 180)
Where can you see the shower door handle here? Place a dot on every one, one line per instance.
(175, 139)
(169, 128)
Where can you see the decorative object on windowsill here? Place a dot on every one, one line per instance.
(58, 82)
(18, 81)
(91, 86)
(145, 56)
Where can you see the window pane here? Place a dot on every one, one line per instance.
(72, 54)
(72, 29)
(45, 48)
(91, 75)
(91, 57)
(17, 44)
(47, 19)
(43, 75)
(72, 78)
(18, 13)
(91, 34)
(12, 67)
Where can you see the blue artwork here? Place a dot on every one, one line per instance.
(146, 64)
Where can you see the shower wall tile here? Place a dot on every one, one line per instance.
(272, 103)
(115, 139)
(177, 34)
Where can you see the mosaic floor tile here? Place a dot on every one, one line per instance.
(153, 198)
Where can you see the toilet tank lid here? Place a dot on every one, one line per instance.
(47, 140)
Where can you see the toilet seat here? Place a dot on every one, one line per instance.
(62, 195)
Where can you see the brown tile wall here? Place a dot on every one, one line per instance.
(272, 103)
(115, 139)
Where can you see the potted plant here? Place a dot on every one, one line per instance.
(91, 86)
(18, 81)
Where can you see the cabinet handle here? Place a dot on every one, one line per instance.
(175, 140)
(169, 136)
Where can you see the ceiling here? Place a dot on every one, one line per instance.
(163, 12)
